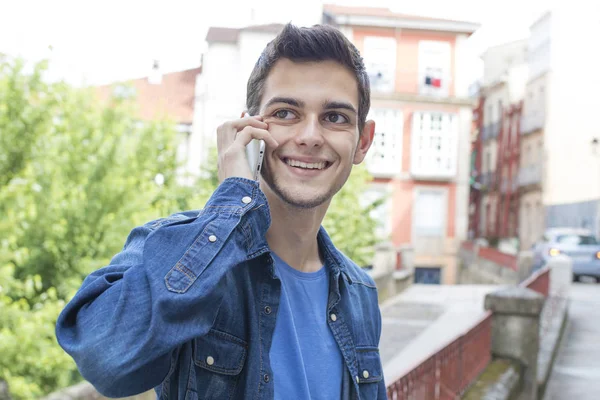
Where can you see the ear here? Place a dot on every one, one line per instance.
(364, 142)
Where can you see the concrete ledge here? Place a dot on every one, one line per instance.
(550, 341)
(501, 380)
(403, 279)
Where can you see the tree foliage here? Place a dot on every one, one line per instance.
(350, 223)
(75, 178)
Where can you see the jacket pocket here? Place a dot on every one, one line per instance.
(370, 371)
(219, 359)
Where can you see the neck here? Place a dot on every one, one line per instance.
(293, 233)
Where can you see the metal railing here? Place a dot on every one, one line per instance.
(530, 175)
(539, 281)
(506, 184)
(450, 371)
(488, 179)
(490, 131)
(532, 121)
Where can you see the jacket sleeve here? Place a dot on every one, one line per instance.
(160, 291)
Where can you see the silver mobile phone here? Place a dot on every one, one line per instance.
(255, 151)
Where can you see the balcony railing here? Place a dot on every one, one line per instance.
(532, 121)
(484, 132)
(491, 131)
(488, 179)
(530, 175)
(495, 130)
(506, 184)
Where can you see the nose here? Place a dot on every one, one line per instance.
(310, 133)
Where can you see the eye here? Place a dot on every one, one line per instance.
(336, 118)
(284, 114)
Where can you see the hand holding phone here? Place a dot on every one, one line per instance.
(241, 145)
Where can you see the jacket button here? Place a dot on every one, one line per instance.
(357, 380)
(246, 199)
(266, 378)
(333, 317)
(212, 238)
(267, 310)
(365, 374)
(210, 360)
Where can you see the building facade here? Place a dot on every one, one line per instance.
(553, 150)
(495, 191)
(420, 103)
(560, 161)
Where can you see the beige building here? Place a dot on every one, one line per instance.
(560, 168)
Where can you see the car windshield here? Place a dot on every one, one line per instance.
(576, 239)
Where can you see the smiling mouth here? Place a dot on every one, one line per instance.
(302, 165)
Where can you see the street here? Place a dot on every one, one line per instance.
(576, 372)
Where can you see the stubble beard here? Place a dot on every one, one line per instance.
(296, 200)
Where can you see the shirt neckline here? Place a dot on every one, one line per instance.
(307, 276)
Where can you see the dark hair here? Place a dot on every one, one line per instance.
(317, 43)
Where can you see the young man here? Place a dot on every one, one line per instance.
(248, 298)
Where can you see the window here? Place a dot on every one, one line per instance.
(382, 214)
(499, 110)
(385, 155)
(428, 275)
(434, 145)
(380, 61)
(429, 213)
(576, 240)
(124, 92)
(434, 67)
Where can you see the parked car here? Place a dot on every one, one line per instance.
(578, 244)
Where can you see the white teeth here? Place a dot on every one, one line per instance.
(301, 164)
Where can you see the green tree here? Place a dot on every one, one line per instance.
(75, 177)
(349, 222)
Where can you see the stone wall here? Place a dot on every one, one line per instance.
(484, 265)
(389, 280)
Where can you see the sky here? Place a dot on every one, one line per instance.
(97, 42)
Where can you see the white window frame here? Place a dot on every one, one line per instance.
(435, 58)
(383, 214)
(379, 54)
(385, 154)
(431, 129)
(443, 193)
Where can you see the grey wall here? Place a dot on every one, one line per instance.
(574, 215)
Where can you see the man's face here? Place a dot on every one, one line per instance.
(311, 109)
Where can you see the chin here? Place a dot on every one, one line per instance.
(305, 202)
(303, 197)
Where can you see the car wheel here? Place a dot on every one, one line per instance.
(576, 278)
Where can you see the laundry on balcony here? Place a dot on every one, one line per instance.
(433, 82)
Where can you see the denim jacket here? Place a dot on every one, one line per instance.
(188, 307)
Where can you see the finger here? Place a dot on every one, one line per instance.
(226, 133)
(248, 133)
(255, 121)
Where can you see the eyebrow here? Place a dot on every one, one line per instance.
(327, 105)
(287, 100)
(331, 105)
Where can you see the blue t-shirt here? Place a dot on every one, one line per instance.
(305, 358)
